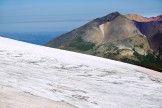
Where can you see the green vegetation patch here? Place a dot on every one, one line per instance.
(149, 61)
(79, 44)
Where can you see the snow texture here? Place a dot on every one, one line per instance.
(13, 98)
(83, 81)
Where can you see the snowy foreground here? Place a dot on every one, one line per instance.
(39, 77)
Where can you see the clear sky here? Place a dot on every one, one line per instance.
(64, 15)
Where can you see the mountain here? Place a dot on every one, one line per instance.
(35, 76)
(139, 18)
(128, 38)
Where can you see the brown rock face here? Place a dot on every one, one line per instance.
(139, 18)
(120, 28)
(136, 17)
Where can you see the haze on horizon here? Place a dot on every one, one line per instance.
(60, 15)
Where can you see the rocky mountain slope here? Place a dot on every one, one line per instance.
(128, 38)
(139, 18)
(34, 76)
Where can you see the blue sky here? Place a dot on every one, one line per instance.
(65, 15)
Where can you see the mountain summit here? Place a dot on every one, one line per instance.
(110, 17)
(129, 38)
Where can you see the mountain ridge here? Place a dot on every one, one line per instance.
(140, 18)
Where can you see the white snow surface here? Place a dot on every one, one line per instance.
(83, 81)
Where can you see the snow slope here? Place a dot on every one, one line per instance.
(13, 98)
(80, 80)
